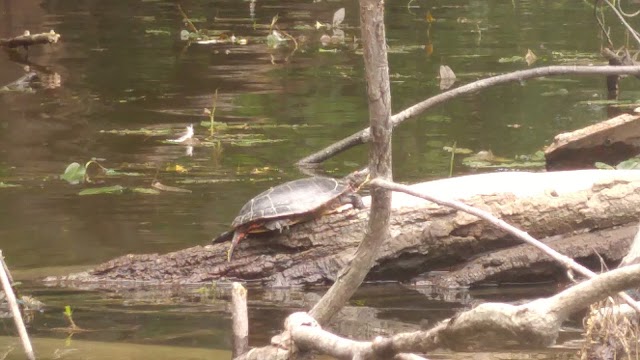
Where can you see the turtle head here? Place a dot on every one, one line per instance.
(358, 178)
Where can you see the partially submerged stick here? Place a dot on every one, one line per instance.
(15, 311)
(240, 319)
(27, 39)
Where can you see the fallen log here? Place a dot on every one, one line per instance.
(27, 39)
(424, 236)
(610, 142)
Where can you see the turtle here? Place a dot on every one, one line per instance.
(294, 202)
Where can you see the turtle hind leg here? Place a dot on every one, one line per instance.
(237, 236)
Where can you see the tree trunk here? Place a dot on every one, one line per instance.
(423, 236)
(379, 99)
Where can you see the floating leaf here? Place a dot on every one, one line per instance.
(147, 191)
(116, 189)
(142, 131)
(429, 17)
(338, 17)
(428, 49)
(112, 172)
(206, 181)
(447, 77)
(275, 39)
(559, 92)
(177, 168)
(631, 164)
(603, 166)
(74, 173)
(512, 59)
(259, 171)
(530, 58)
(157, 32)
(158, 185)
(457, 150)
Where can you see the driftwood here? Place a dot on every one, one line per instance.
(610, 141)
(488, 326)
(27, 39)
(423, 236)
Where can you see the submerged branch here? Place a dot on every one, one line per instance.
(489, 326)
(364, 135)
(27, 39)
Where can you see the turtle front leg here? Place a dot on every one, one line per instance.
(352, 199)
(356, 201)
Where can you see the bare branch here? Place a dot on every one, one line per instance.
(15, 311)
(364, 135)
(623, 21)
(324, 342)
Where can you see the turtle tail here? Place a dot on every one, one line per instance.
(237, 236)
(225, 236)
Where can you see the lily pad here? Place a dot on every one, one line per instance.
(512, 59)
(142, 131)
(112, 172)
(603, 166)
(116, 189)
(157, 32)
(74, 173)
(147, 191)
(631, 164)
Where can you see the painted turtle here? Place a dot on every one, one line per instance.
(294, 202)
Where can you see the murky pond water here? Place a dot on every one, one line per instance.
(121, 66)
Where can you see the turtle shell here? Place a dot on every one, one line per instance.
(294, 198)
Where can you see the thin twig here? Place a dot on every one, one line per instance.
(15, 310)
(623, 21)
(185, 18)
(560, 258)
(600, 20)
